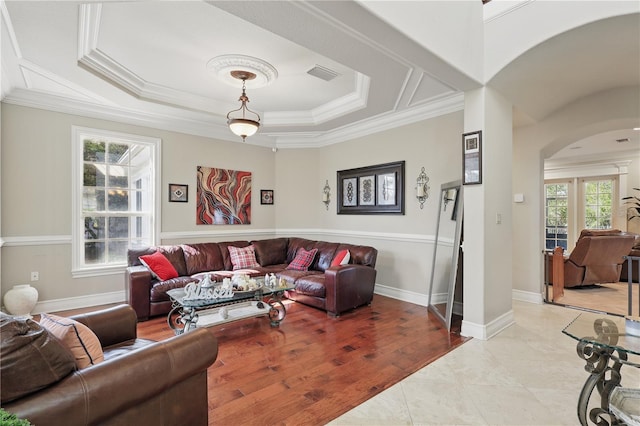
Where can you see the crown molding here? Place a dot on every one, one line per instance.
(198, 126)
(502, 10)
(201, 125)
(386, 121)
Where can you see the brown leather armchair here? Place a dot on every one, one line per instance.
(596, 258)
(140, 382)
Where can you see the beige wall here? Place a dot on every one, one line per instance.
(36, 197)
(605, 111)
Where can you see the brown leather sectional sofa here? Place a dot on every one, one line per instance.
(140, 382)
(335, 289)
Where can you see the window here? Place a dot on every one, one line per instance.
(114, 198)
(568, 211)
(556, 215)
(597, 199)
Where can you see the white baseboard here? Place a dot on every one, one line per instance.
(469, 329)
(406, 296)
(57, 305)
(527, 296)
(485, 332)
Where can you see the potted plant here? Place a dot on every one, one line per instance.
(8, 419)
(633, 212)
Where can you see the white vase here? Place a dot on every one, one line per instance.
(21, 300)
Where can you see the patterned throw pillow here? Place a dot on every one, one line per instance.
(77, 337)
(303, 259)
(342, 258)
(159, 266)
(243, 257)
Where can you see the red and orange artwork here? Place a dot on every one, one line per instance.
(223, 197)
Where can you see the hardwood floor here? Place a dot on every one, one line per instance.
(611, 298)
(314, 368)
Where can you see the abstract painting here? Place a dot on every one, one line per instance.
(223, 197)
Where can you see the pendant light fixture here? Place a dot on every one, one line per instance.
(241, 125)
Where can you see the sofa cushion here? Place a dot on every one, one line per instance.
(203, 257)
(311, 285)
(133, 254)
(361, 255)
(159, 289)
(341, 258)
(175, 255)
(77, 337)
(159, 266)
(32, 359)
(326, 252)
(303, 259)
(271, 252)
(295, 244)
(243, 257)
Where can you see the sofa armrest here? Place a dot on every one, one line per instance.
(348, 286)
(113, 325)
(138, 290)
(102, 392)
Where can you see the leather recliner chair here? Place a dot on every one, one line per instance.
(596, 258)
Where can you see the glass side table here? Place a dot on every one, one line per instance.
(605, 346)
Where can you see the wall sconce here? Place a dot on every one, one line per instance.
(326, 195)
(422, 189)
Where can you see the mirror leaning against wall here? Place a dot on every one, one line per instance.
(446, 252)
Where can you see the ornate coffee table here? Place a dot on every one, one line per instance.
(186, 315)
(605, 346)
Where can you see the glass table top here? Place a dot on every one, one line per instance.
(603, 330)
(178, 294)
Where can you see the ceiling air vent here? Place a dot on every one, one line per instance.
(323, 73)
(622, 140)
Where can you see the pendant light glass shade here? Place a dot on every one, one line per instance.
(243, 127)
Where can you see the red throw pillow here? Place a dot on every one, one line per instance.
(342, 258)
(159, 266)
(243, 257)
(302, 260)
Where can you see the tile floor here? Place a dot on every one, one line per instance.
(529, 374)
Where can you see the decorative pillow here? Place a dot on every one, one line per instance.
(32, 358)
(342, 258)
(303, 259)
(159, 266)
(243, 257)
(81, 341)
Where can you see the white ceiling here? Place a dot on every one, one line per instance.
(146, 62)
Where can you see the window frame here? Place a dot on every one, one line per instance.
(615, 191)
(79, 134)
(570, 209)
(576, 208)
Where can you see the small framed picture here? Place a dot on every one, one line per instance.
(178, 193)
(472, 158)
(350, 192)
(367, 190)
(266, 196)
